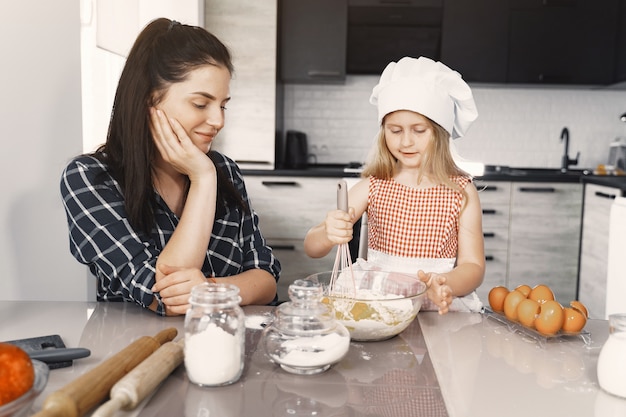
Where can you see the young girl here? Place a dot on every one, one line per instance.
(154, 211)
(424, 216)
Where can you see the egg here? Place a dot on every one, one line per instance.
(541, 293)
(580, 307)
(527, 312)
(496, 298)
(17, 373)
(550, 319)
(524, 289)
(575, 317)
(511, 302)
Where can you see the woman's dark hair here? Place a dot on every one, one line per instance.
(164, 53)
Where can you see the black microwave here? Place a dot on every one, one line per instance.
(381, 31)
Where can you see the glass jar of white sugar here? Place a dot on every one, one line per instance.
(305, 338)
(214, 335)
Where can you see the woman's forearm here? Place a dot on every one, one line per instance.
(256, 286)
(188, 245)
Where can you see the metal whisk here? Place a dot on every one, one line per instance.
(342, 278)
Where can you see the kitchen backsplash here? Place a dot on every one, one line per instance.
(516, 126)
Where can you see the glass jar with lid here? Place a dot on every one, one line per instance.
(304, 337)
(214, 335)
(612, 359)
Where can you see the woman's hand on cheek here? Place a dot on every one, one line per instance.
(175, 146)
(175, 287)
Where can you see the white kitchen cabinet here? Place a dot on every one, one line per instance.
(495, 200)
(249, 30)
(545, 236)
(595, 247)
(287, 208)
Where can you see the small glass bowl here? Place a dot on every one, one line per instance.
(304, 338)
(20, 407)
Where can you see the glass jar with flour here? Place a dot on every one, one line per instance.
(214, 335)
(304, 337)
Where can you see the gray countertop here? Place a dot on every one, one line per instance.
(473, 364)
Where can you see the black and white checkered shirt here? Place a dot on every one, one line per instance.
(124, 260)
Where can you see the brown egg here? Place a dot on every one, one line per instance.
(496, 298)
(550, 318)
(527, 312)
(580, 307)
(17, 374)
(524, 289)
(541, 293)
(575, 317)
(511, 302)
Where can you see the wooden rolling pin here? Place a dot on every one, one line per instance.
(90, 389)
(129, 391)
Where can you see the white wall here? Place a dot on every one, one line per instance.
(516, 126)
(40, 112)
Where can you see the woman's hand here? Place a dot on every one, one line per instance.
(176, 148)
(175, 287)
(338, 226)
(439, 292)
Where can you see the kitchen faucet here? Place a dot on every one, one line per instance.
(565, 160)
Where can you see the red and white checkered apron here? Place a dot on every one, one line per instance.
(416, 223)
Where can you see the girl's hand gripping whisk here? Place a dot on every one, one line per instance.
(343, 261)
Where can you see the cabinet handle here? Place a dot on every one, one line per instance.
(489, 258)
(280, 183)
(537, 189)
(282, 247)
(560, 3)
(489, 234)
(489, 211)
(323, 74)
(490, 188)
(605, 195)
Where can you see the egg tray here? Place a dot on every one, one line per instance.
(534, 334)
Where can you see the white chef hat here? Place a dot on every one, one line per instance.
(429, 88)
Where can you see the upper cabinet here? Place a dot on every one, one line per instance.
(562, 41)
(493, 41)
(248, 28)
(313, 40)
(475, 39)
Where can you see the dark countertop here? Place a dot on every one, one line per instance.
(607, 181)
(492, 173)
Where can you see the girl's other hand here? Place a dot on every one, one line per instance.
(338, 226)
(439, 292)
(176, 148)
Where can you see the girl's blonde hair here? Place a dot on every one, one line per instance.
(437, 161)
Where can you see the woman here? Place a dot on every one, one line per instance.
(154, 211)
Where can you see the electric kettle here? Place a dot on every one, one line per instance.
(296, 150)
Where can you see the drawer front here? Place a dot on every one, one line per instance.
(495, 273)
(296, 264)
(494, 193)
(496, 239)
(289, 206)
